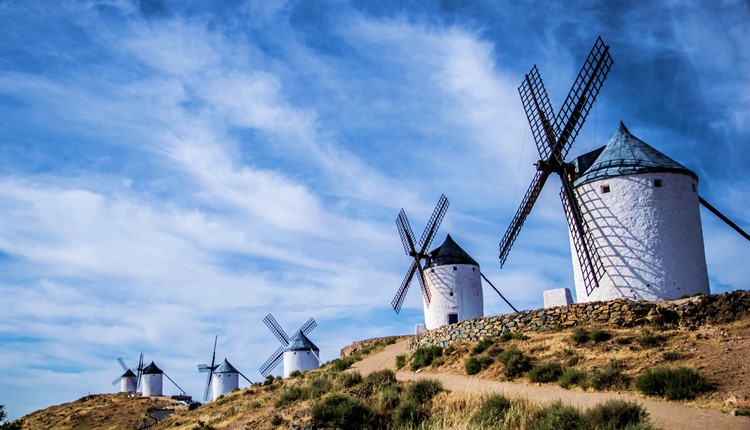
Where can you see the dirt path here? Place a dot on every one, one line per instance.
(666, 415)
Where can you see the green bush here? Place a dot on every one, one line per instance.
(343, 411)
(547, 372)
(671, 356)
(295, 374)
(492, 412)
(616, 414)
(672, 384)
(318, 385)
(376, 381)
(341, 364)
(349, 379)
(598, 335)
(387, 398)
(438, 362)
(742, 411)
(475, 365)
(557, 416)
(409, 414)
(572, 377)
(624, 340)
(651, 340)
(277, 420)
(269, 380)
(508, 336)
(515, 362)
(288, 395)
(423, 356)
(611, 376)
(423, 390)
(401, 361)
(481, 346)
(580, 336)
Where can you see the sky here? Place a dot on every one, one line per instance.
(175, 170)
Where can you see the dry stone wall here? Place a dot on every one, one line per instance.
(690, 312)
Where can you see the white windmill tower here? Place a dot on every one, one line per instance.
(223, 377)
(153, 381)
(450, 279)
(130, 380)
(632, 211)
(297, 351)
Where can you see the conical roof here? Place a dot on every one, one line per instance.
(300, 342)
(226, 367)
(625, 154)
(449, 253)
(128, 374)
(152, 369)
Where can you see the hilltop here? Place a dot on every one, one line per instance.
(603, 361)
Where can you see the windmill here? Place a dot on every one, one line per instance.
(224, 376)
(297, 351)
(554, 135)
(152, 381)
(450, 279)
(129, 381)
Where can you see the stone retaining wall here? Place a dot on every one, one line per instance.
(689, 312)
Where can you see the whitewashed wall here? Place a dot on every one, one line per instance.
(649, 238)
(224, 383)
(152, 384)
(466, 299)
(299, 360)
(129, 384)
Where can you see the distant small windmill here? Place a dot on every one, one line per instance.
(450, 279)
(153, 383)
(224, 376)
(297, 351)
(554, 135)
(129, 381)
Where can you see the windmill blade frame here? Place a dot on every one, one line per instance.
(532, 194)
(538, 110)
(308, 326)
(398, 299)
(210, 370)
(272, 362)
(175, 384)
(276, 329)
(724, 218)
(434, 223)
(140, 373)
(406, 233)
(252, 384)
(124, 366)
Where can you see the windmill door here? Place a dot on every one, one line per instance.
(452, 318)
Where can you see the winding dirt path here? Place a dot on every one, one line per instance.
(666, 415)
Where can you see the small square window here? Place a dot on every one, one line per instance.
(451, 294)
(695, 188)
(605, 189)
(657, 183)
(455, 268)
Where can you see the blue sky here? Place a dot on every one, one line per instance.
(174, 170)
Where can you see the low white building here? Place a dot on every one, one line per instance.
(152, 380)
(642, 210)
(301, 354)
(455, 286)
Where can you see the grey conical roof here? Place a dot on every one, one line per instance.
(449, 253)
(300, 342)
(128, 374)
(152, 369)
(625, 154)
(226, 367)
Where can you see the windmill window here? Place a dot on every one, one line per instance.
(473, 269)
(694, 187)
(451, 294)
(455, 268)
(605, 189)
(657, 183)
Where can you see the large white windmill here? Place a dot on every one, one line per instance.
(633, 213)
(153, 381)
(297, 351)
(223, 377)
(450, 279)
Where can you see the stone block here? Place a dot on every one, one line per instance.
(557, 297)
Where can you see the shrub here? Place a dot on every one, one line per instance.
(349, 379)
(492, 411)
(547, 372)
(475, 365)
(600, 335)
(508, 336)
(624, 340)
(481, 346)
(269, 380)
(376, 381)
(409, 414)
(580, 336)
(423, 390)
(742, 411)
(672, 384)
(423, 356)
(387, 398)
(572, 377)
(343, 411)
(515, 362)
(611, 376)
(318, 385)
(277, 420)
(401, 361)
(650, 340)
(671, 356)
(341, 364)
(438, 362)
(616, 414)
(295, 374)
(557, 416)
(288, 396)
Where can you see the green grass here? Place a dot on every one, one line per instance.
(481, 346)
(515, 362)
(423, 390)
(571, 377)
(344, 411)
(672, 384)
(492, 412)
(424, 356)
(647, 339)
(617, 414)
(401, 360)
(611, 376)
(475, 365)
